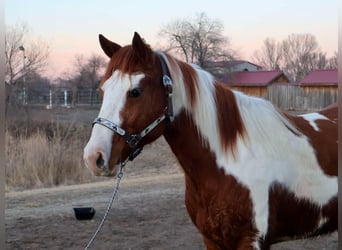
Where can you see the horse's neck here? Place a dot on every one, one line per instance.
(197, 161)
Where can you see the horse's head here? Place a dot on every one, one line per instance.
(133, 108)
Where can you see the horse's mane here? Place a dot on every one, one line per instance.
(221, 115)
(196, 91)
(266, 126)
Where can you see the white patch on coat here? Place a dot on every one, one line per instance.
(312, 118)
(274, 154)
(115, 93)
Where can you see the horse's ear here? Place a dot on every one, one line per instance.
(143, 50)
(108, 47)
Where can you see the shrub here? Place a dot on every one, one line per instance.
(44, 154)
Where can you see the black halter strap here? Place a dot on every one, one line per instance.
(167, 82)
(134, 139)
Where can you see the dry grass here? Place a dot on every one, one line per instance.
(44, 148)
(42, 154)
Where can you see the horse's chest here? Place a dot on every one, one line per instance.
(222, 213)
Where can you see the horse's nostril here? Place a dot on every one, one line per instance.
(100, 161)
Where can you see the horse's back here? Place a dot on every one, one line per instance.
(321, 130)
(331, 112)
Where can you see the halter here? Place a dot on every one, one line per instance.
(133, 139)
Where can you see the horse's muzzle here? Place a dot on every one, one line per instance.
(97, 164)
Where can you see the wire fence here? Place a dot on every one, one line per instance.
(56, 97)
(286, 97)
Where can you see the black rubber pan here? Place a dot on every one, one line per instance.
(84, 213)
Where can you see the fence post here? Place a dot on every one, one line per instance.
(50, 99)
(65, 98)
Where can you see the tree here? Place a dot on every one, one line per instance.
(198, 40)
(300, 52)
(333, 62)
(23, 56)
(270, 55)
(88, 71)
(297, 55)
(87, 75)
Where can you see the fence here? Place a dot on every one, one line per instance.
(56, 97)
(285, 96)
(294, 97)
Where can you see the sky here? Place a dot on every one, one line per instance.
(71, 27)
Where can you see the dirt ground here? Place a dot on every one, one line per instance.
(149, 212)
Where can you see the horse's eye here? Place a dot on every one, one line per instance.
(134, 92)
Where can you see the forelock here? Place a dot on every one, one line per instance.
(127, 62)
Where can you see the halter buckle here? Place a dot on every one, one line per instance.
(133, 140)
(167, 81)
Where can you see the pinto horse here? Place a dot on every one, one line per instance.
(253, 174)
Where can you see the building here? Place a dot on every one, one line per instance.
(254, 83)
(221, 68)
(319, 89)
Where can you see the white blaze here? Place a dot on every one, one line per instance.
(115, 92)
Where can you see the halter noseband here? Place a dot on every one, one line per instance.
(134, 139)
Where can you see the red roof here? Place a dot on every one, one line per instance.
(252, 78)
(321, 77)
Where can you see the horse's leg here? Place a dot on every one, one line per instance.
(250, 243)
(246, 243)
(210, 245)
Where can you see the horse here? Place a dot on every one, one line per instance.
(254, 175)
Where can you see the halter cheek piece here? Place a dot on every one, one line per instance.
(134, 139)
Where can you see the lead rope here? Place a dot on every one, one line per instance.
(116, 188)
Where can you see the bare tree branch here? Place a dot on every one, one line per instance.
(36, 54)
(269, 56)
(198, 40)
(333, 62)
(297, 55)
(299, 52)
(87, 70)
